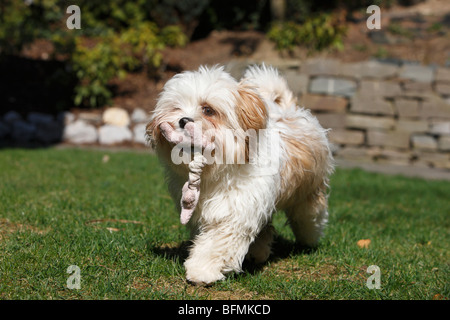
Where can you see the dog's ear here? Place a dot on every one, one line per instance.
(153, 132)
(251, 110)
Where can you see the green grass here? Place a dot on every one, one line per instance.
(116, 222)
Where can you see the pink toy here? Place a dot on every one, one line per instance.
(191, 189)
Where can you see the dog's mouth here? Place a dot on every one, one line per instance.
(186, 140)
(192, 150)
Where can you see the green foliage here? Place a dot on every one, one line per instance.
(317, 33)
(116, 37)
(116, 53)
(95, 67)
(14, 29)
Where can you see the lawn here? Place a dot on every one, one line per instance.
(109, 213)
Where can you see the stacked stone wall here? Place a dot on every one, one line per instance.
(394, 113)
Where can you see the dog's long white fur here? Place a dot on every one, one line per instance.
(232, 219)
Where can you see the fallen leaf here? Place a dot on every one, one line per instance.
(105, 158)
(363, 243)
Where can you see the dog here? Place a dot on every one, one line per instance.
(244, 179)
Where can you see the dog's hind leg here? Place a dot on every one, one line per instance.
(308, 218)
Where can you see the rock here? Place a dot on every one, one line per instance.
(4, 130)
(92, 118)
(116, 117)
(422, 95)
(353, 153)
(347, 137)
(444, 143)
(139, 133)
(371, 105)
(139, 115)
(298, 83)
(65, 117)
(376, 88)
(412, 126)
(407, 108)
(110, 134)
(324, 103)
(39, 118)
(80, 132)
(370, 69)
(22, 131)
(12, 116)
(440, 127)
(437, 160)
(331, 120)
(443, 74)
(396, 155)
(47, 129)
(443, 88)
(394, 139)
(417, 73)
(333, 86)
(424, 142)
(366, 122)
(49, 132)
(318, 66)
(435, 107)
(417, 86)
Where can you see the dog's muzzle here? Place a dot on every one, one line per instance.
(183, 121)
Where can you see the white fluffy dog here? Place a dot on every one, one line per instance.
(237, 183)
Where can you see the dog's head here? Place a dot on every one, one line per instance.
(216, 103)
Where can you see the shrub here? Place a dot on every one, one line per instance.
(95, 66)
(112, 55)
(15, 31)
(116, 37)
(317, 33)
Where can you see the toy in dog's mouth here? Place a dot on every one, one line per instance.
(191, 189)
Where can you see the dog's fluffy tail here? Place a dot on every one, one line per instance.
(270, 84)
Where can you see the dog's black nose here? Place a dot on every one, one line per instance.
(184, 120)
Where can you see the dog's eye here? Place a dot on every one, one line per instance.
(208, 111)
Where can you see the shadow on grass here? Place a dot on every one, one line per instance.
(282, 248)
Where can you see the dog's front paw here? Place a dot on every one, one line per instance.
(202, 276)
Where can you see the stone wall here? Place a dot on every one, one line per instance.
(396, 113)
(113, 126)
(393, 113)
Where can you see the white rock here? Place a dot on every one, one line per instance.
(440, 127)
(116, 117)
(139, 115)
(110, 134)
(80, 132)
(139, 133)
(89, 117)
(65, 117)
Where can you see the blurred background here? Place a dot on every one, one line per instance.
(384, 92)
